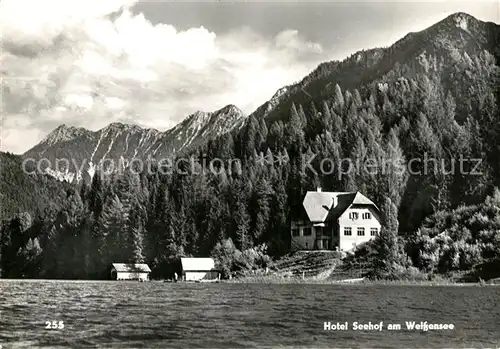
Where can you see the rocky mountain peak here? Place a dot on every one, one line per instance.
(231, 111)
(461, 16)
(231, 108)
(463, 22)
(63, 133)
(122, 127)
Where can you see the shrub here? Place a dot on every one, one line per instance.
(459, 239)
(229, 260)
(225, 254)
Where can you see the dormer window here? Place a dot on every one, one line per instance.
(353, 215)
(367, 215)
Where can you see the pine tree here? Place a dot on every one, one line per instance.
(326, 117)
(260, 207)
(241, 220)
(84, 192)
(338, 101)
(49, 265)
(239, 213)
(158, 222)
(275, 137)
(302, 116)
(115, 222)
(96, 195)
(250, 137)
(278, 232)
(28, 259)
(294, 135)
(135, 250)
(387, 249)
(137, 255)
(226, 151)
(395, 175)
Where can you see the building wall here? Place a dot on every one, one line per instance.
(311, 242)
(131, 276)
(302, 242)
(199, 275)
(347, 243)
(335, 244)
(337, 237)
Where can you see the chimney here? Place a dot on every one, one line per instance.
(318, 189)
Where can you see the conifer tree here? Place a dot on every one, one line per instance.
(115, 222)
(135, 249)
(95, 195)
(326, 117)
(294, 135)
(260, 207)
(338, 101)
(388, 255)
(395, 174)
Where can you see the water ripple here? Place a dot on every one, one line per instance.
(159, 315)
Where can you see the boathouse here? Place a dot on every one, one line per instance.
(130, 271)
(197, 269)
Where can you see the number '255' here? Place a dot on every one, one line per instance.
(52, 325)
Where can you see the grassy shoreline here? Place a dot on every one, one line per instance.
(366, 282)
(328, 268)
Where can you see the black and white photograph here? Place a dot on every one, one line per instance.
(249, 174)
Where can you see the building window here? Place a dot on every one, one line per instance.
(347, 231)
(353, 215)
(306, 231)
(361, 231)
(373, 231)
(367, 215)
(295, 232)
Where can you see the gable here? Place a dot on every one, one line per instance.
(375, 216)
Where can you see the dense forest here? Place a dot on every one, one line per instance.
(444, 109)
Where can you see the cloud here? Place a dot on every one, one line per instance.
(89, 63)
(290, 39)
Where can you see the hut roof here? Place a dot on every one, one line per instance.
(197, 264)
(131, 267)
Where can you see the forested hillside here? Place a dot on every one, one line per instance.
(20, 192)
(441, 106)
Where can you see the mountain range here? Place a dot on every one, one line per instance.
(365, 70)
(117, 142)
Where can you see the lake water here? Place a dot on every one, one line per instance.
(165, 315)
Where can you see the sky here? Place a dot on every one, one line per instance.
(152, 63)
